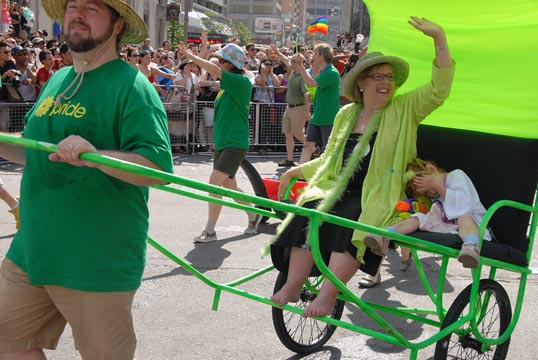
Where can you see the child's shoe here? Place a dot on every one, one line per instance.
(469, 255)
(377, 244)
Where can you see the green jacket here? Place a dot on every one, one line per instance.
(395, 146)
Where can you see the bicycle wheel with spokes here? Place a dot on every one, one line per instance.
(299, 334)
(493, 315)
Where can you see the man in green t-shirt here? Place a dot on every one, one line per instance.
(79, 254)
(326, 99)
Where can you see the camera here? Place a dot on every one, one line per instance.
(16, 80)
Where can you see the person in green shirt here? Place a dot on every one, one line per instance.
(230, 129)
(326, 100)
(79, 254)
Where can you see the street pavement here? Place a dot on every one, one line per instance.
(172, 309)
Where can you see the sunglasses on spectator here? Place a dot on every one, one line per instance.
(4, 52)
(135, 55)
(268, 63)
(222, 61)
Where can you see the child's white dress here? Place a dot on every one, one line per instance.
(461, 198)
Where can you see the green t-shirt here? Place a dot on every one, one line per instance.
(327, 100)
(295, 93)
(80, 228)
(230, 126)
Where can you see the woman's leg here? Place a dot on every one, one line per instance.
(300, 266)
(344, 266)
(217, 178)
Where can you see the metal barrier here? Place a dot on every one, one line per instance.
(12, 116)
(190, 122)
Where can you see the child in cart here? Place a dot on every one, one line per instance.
(456, 208)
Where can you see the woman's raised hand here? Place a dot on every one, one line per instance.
(428, 28)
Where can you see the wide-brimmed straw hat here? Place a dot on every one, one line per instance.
(135, 29)
(400, 71)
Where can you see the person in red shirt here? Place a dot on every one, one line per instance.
(65, 58)
(45, 71)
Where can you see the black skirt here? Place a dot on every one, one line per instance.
(332, 237)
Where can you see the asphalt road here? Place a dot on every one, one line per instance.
(172, 309)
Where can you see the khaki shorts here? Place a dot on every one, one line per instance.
(34, 317)
(293, 121)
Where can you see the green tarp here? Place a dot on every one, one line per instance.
(495, 46)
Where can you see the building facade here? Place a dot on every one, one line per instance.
(268, 21)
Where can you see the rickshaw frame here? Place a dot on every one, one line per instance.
(390, 334)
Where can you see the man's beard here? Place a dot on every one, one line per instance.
(79, 45)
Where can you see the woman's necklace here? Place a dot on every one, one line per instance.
(362, 122)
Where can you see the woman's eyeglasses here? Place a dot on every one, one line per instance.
(380, 77)
(134, 55)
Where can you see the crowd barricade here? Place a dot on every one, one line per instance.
(12, 116)
(190, 121)
(179, 110)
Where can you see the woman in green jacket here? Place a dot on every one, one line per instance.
(370, 145)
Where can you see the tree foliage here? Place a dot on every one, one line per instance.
(176, 31)
(241, 32)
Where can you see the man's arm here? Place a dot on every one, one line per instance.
(308, 80)
(70, 148)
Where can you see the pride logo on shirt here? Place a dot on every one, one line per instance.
(47, 107)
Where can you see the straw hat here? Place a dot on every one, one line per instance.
(400, 69)
(135, 29)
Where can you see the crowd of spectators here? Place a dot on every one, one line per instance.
(269, 73)
(29, 57)
(165, 65)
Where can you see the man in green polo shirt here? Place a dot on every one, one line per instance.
(326, 99)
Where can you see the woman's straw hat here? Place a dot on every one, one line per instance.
(400, 69)
(135, 29)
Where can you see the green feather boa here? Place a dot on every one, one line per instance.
(335, 147)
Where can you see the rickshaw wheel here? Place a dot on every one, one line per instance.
(493, 314)
(298, 334)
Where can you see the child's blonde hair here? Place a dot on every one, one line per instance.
(414, 168)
